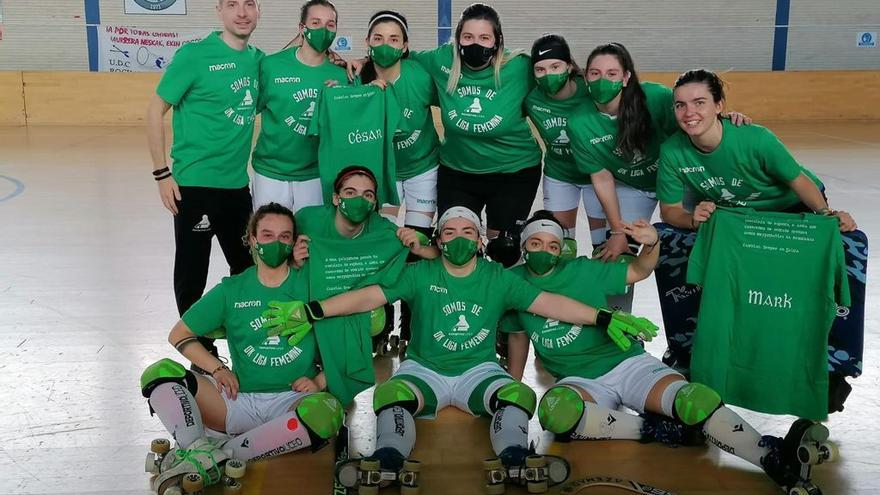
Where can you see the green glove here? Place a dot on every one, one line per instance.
(298, 333)
(284, 317)
(622, 327)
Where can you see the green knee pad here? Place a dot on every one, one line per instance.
(516, 394)
(321, 413)
(392, 393)
(377, 321)
(560, 410)
(695, 402)
(164, 371)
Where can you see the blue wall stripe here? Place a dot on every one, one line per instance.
(444, 21)
(93, 19)
(780, 34)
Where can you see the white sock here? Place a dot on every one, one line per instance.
(601, 423)
(396, 428)
(729, 432)
(178, 411)
(283, 434)
(509, 428)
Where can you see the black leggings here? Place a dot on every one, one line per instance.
(507, 197)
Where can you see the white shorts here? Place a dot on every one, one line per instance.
(634, 203)
(252, 409)
(419, 194)
(564, 196)
(292, 194)
(628, 383)
(456, 390)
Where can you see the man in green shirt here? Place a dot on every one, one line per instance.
(213, 86)
(598, 371)
(271, 399)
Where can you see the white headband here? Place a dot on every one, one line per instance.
(458, 212)
(389, 16)
(548, 226)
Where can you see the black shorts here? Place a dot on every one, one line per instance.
(507, 197)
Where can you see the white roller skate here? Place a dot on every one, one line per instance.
(791, 459)
(189, 471)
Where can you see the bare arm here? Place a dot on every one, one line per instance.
(645, 234)
(562, 308)
(355, 301)
(676, 215)
(168, 190)
(517, 354)
(194, 351)
(606, 192)
(808, 192)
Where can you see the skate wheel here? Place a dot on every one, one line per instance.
(536, 461)
(369, 465)
(368, 490)
(160, 446)
(409, 490)
(394, 342)
(495, 489)
(235, 468)
(558, 471)
(492, 464)
(798, 491)
(401, 352)
(829, 452)
(233, 488)
(537, 486)
(809, 454)
(174, 490)
(192, 483)
(347, 474)
(150, 464)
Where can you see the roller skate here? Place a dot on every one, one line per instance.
(521, 466)
(791, 459)
(668, 431)
(385, 467)
(501, 349)
(189, 471)
(401, 342)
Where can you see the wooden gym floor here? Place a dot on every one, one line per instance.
(86, 302)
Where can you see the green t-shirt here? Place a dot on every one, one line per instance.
(750, 168)
(320, 221)
(454, 319)
(574, 350)
(484, 123)
(290, 91)
(357, 126)
(261, 363)
(550, 117)
(214, 91)
(416, 145)
(594, 140)
(771, 283)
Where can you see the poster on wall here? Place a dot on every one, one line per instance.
(160, 7)
(129, 49)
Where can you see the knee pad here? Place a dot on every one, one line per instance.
(321, 413)
(561, 410)
(504, 249)
(167, 371)
(392, 393)
(695, 403)
(516, 394)
(378, 319)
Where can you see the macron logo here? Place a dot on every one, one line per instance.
(216, 67)
(248, 304)
(607, 137)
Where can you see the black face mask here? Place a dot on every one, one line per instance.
(475, 54)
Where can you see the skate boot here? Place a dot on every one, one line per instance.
(521, 466)
(190, 470)
(385, 467)
(668, 431)
(791, 459)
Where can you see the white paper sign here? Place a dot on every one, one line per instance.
(166, 7)
(128, 49)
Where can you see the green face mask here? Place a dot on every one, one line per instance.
(356, 209)
(460, 250)
(552, 83)
(320, 39)
(273, 253)
(385, 55)
(602, 90)
(540, 262)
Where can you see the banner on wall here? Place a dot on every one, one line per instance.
(160, 7)
(128, 49)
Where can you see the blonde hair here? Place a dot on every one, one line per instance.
(479, 12)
